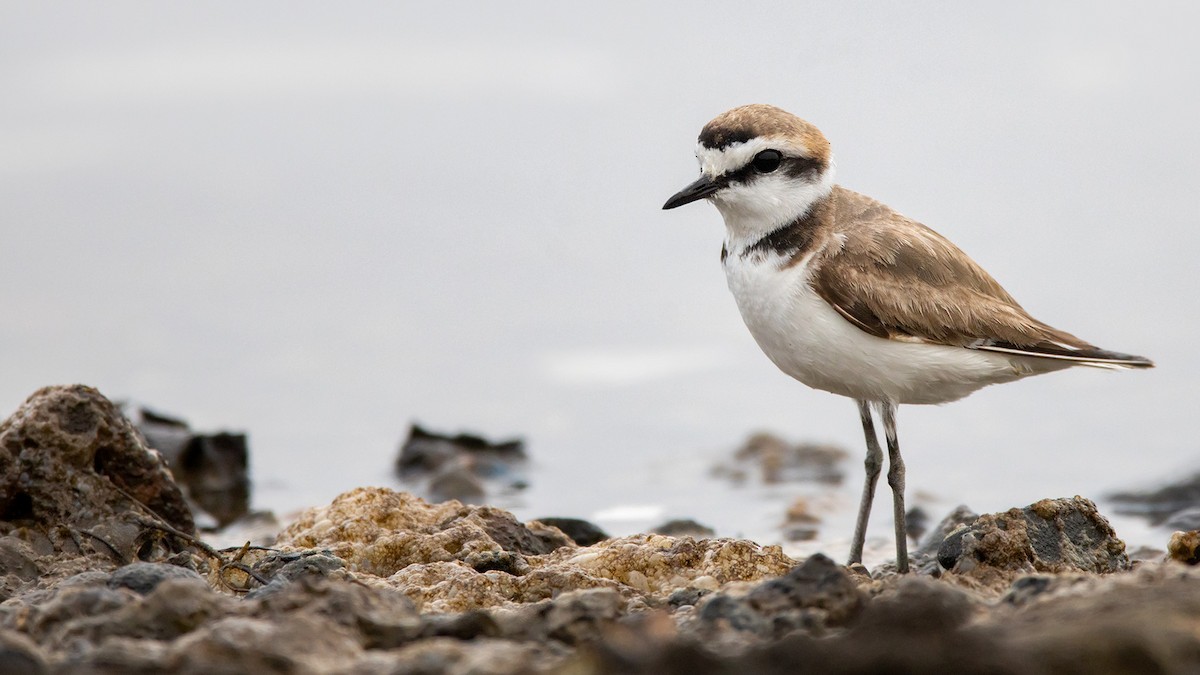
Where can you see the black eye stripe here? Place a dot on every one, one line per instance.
(793, 167)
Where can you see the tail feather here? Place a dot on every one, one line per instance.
(1084, 356)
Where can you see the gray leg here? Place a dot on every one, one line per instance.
(874, 464)
(896, 480)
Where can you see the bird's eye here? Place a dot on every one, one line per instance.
(767, 161)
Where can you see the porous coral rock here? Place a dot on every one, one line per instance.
(381, 531)
(426, 551)
(80, 490)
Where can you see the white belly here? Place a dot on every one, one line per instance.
(810, 341)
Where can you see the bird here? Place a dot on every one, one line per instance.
(848, 296)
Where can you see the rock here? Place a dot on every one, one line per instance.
(1049, 536)
(213, 469)
(299, 643)
(916, 522)
(683, 527)
(119, 656)
(582, 532)
(1159, 505)
(813, 597)
(449, 557)
(468, 625)
(78, 484)
(959, 518)
(458, 482)
(19, 655)
(778, 461)
(1137, 622)
(799, 523)
(1185, 547)
(578, 616)
(143, 577)
(379, 531)
(449, 656)
(174, 608)
(381, 618)
(461, 467)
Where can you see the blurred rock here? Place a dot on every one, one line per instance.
(582, 532)
(213, 469)
(143, 577)
(799, 523)
(1185, 547)
(683, 527)
(19, 655)
(1049, 536)
(461, 467)
(1179, 500)
(916, 522)
(1184, 519)
(777, 461)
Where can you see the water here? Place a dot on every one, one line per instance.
(318, 225)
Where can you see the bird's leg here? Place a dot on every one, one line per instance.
(896, 480)
(874, 464)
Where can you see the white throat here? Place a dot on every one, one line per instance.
(753, 210)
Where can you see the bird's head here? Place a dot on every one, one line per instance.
(761, 166)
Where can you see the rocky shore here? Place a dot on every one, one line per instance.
(101, 571)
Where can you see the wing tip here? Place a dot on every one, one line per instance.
(1090, 356)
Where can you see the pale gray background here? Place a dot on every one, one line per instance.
(318, 221)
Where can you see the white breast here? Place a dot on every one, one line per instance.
(810, 341)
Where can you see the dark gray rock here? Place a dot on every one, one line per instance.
(916, 522)
(578, 616)
(380, 618)
(468, 625)
(292, 565)
(143, 577)
(929, 546)
(465, 467)
(582, 532)
(499, 561)
(281, 568)
(513, 535)
(816, 595)
(686, 596)
(684, 527)
(212, 468)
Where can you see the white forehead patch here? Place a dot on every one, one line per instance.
(752, 210)
(717, 161)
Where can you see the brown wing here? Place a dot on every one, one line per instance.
(897, 279)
